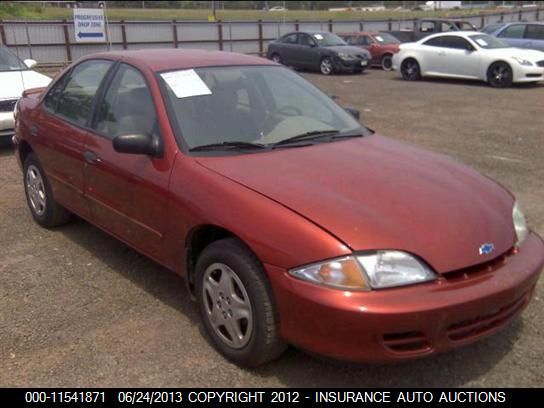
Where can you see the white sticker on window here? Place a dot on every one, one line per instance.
(380, 39)
(186, 83)
(318, 36)
(482, 42)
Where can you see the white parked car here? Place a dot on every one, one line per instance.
(469, 55)
(15, 77)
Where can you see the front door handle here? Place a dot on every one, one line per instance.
(91, 157)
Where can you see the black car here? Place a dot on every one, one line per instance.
(318, 50)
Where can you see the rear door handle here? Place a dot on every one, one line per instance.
(91, 157)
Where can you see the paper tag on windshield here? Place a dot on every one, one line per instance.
(380, 39)
(186, 83)
(482, 42)
(318, 36)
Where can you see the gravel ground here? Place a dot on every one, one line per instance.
(78, 308)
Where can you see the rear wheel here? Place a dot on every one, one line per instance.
(409, 70)
(326, 66)
(387, 62)
(236, 304)
(276, 58)
(43, 207)
(499, 75)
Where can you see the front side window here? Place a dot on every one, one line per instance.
(513, 31)
(365, 40)
(10, 62)
(76, 101)
(53, 95)
(306, 40)
(455, 42)
(253, 104)
(127, 107)
(434, 42)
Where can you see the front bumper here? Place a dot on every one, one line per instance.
(351, 65)
(407, 322)
(7, 125)
(528, 74)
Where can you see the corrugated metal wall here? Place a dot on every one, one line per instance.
(54, 41)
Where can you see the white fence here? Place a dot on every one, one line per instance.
(54, 42)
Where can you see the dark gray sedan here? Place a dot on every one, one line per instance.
(319, 50)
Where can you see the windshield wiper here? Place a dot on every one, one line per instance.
(317, 134)
(235, 145)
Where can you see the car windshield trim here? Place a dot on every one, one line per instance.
(241, 145)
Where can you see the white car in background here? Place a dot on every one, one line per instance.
(469, 55)
(15, 77)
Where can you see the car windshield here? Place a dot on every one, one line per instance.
(328, 39)
(244, 105)
(488, 42)
(9, 61)
(386, 38)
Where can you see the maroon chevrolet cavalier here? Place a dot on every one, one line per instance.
(381, 46)
(290, 221)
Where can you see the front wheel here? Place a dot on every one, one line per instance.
(236, 304)
(39, 196)
(499, 75)
(326, 66)
(409, 70)
(387, 62)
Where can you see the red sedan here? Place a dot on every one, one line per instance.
(381, 46)
(290, 221)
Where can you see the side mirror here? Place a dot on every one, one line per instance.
(138, 144)
(353, 112)
(30, 63)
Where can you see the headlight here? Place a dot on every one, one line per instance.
(345, 56)
(386, 269)
(342, 273)
(519, 223)
(382, 269)
(522, 61)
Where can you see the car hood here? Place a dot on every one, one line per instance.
(376, 193)
(531, 55)
(348, 49)
(15, 82)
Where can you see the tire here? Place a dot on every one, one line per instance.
(387, 62)
(326, 66)
(410, 70)
(231, 283)
(39, 196)
(499, 75)
(276, 58)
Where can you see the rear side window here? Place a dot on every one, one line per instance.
(535, 32)
(127, 107)
(434, 42)
(76, 101)
(289, 39)
(455, 42)
(513, 31)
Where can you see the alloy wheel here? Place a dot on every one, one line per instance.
(326, 66)
(35, 189)
(410, 70)
(227, 305)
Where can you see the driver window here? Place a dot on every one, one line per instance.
(127, 107)
(306, 40)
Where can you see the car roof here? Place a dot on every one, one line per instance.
(177, 58)
(364, 33)
(308, 32)
(463, 34)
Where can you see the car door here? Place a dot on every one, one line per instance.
(127, 193)
(430, 55)
(534, 37)
(288, 49)
(307, 54)
(514, 35)
(60, 128)
(458, 57)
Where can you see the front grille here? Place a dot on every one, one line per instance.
(7, 105)
(479, 325)
(480, 269)
(540, 63)
(408, 342)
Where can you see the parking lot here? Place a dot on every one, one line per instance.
(78, 308)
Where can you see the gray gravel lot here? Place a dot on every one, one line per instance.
(78, 308)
